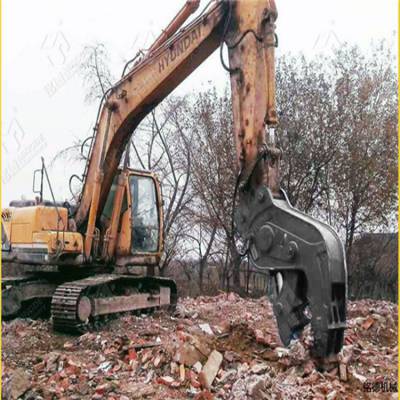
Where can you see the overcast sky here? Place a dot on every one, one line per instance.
(43, 96)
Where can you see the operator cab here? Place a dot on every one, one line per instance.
(141, 226)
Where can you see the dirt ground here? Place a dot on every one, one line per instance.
(221, 347)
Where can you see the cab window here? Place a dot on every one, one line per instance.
(145, 219)
(108, 207)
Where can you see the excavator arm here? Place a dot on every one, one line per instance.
(304, 257)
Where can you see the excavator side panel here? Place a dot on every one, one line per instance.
(124, 235)
(40, 231)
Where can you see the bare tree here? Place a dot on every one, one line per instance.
(165, 149)
(363, 174)
(373, 272)
(97, 78)
(96, 74)
(207, 116)
(338, 130)
(306, 128)
(338, 119)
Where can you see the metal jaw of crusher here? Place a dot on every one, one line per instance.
(306, 263)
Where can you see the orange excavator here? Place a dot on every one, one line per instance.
(94, 258)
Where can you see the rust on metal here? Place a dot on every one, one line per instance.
(116, 304)
(189, 8)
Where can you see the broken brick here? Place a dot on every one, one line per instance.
(368, 323)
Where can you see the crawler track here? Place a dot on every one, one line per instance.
(64, 304)
(26, 297)
(75, 305)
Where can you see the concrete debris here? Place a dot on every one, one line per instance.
(222, 347)
(256, 386)
(259, 368)
(139, 391)
(105, 366)
(297, 352)
(358, 376)
(251, 387)
(182, 373)
(228, 376)
(16, 385)
(332, 395)
(343, 372)
(282, 352)
(206, 328)
(210, 369)
(197, 367)
(188, 355)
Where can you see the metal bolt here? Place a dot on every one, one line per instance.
(292, 249)
(278, 308)
(265, 237)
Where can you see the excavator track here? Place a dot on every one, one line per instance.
(82, 305)
(64, 306)
(26, 297)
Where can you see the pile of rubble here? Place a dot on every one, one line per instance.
(222, 347)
